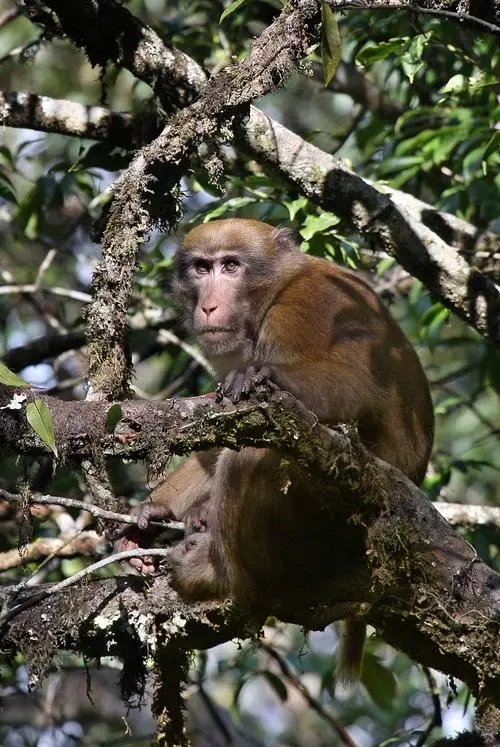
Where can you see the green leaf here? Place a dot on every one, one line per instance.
(102, 155)
(412, 61)
(113, 417)
(384, 265)
(9, 378)
(39, 417)
(7, 155)
(373, 53)
(433, 319)
(331, 44)
(447, 404)
(415, 292)
(231, 8)
(456, 84)
(6, 193)
(492, 148)
(295, 206)
(235, 203)
(314, 224)
(379, 681)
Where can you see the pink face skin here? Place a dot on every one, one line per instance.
(220, 312)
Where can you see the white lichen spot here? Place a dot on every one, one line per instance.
(142, 626)
(176, 623)
(481, 307)
(105, 621)
(15, 403)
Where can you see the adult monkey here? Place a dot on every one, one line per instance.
(264, 312)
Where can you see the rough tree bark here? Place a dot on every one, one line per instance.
(409, 574)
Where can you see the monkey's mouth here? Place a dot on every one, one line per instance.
(215, 331)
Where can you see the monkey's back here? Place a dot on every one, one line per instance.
(329, 341)
(346, 358)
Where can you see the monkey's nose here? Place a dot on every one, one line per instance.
(208, 310)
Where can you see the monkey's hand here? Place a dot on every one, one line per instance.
(142, 534)
(241, 382)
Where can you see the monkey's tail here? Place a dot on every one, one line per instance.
(350, 654)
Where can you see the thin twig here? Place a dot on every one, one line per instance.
(167, 336)
(437, 717)
(356, 5)
(315, 704)
(101, 513)
(29, 288)
(8, 613)
(44, 266)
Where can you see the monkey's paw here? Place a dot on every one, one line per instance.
(241, 382)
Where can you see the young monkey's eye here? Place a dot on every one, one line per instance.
(231, 265)
(201, 267)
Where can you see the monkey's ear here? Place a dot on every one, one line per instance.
(285, 240)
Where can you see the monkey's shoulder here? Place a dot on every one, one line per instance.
(321, 286)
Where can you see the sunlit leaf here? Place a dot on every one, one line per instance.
(379, 681)
(113, 417)
(295, 206)
(456, 84)
(231, 8)
(9, 378)
(373, 53)
(331, 44)
(40, 419)
(314, 224)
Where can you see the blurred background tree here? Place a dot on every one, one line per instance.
(414, 104)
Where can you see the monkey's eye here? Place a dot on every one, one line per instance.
(231, 265)
(201, 267)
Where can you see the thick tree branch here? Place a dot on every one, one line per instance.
(223, 100)
(417, 582)
(44, 114)
(418, 236)
(107, 31)
(391, 222)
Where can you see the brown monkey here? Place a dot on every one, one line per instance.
(264, 312)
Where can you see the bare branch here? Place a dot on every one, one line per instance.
(467, 515)
(19, 109)
(315, 704)
(394, 224)
(412, 7)
(42, 349)
(96, 511)
(82, 543)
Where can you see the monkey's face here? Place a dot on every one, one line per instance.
(219, 307)
(227, 273)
